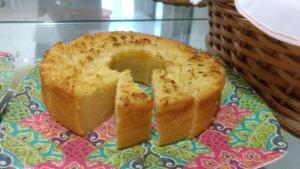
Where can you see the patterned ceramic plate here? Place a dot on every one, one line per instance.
(6, 71)
(245, 134)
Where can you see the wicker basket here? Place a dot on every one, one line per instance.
(270, 66)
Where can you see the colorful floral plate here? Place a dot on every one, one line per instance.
(7, 70)
(245, 134)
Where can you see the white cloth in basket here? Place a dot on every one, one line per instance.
(195, 2)
(279, 19)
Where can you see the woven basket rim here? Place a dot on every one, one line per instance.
(269, 65)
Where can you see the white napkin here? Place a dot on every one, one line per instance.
(279, 19)
(195, 2)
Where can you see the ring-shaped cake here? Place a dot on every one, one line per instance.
(79, 82)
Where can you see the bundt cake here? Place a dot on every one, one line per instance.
(79, 81)
(133, 112)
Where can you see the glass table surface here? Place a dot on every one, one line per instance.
(94, 10)
(28, 28)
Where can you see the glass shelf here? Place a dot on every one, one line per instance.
(94, 10)
(28, 41)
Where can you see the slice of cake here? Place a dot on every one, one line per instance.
(174, 108)
(133, 112)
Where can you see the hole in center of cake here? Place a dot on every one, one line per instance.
(141, 63)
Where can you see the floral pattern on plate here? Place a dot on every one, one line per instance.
(245, 134)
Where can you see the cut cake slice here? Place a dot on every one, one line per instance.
(133, 112)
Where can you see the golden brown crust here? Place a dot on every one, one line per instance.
(205, 113)
(62, 55)
(57, 101)
(174, 119)
(174, 108)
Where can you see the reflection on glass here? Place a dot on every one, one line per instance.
(97, 10)
(64, 20)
